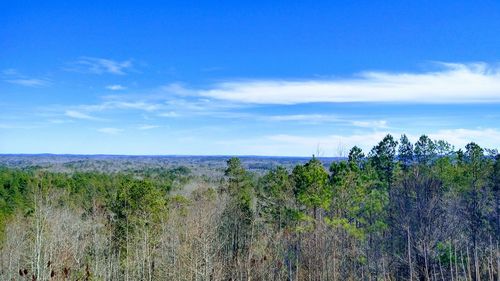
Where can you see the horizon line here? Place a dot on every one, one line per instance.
(164, 155)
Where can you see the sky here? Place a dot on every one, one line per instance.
(288, 78)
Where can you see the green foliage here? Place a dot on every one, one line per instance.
(276, 198)
(426, 203)
(443, 148)
(494, 180)
(13, 193)
(495, 175)
(139, 205)
(425, 150)
(349, 227)
(360, 206)
(383, 160)
(405, 152)
(447, 254)
(179, 203)
(356, 158)
(240, 186)
(311, 185)
(374, 210)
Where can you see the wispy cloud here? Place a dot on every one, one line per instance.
(375, 124)
(316, 118)
(148, 127)
(79, 115)
(100, 66)
(118, 105)
(116, 87)
(139, 105)
(110, 131)
(29, 82)
(166, 101)
(15, 77)
(168, 114)
(325, 118)
(452, 83)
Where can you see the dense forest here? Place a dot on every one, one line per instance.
(402, 211)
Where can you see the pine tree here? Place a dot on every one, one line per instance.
(311, 186)
(425, 150)
(383, 159)
(405, 152)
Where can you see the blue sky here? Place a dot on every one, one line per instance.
(245, 78)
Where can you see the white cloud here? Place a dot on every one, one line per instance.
(148, 127)
(325, 118)
(15, 77)
(340, 144)
(375, 124)
(112, 105)
(29, 82)
(169, 114)
(178, 89)
(453, 83)
(135, 105)
(116, 87)
(101, 65)
(110, 131)
(488, 137)
(79, 115)
(316, 118)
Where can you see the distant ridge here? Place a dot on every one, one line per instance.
(162, 155)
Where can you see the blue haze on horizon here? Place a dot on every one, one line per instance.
(286, 78)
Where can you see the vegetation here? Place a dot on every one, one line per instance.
(404, 211)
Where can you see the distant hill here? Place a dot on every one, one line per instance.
(116, 163)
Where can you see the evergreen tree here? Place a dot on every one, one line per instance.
(239, 186)
(311, 186)
(383, 159)
(425, 150)
(405, 152)
(356, 157)
(495, 189)
(276, 199)
(237, 219)
(475, 196)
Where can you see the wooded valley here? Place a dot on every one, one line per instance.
(402, 211)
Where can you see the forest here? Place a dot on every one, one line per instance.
(402, 211)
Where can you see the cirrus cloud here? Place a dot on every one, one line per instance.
(29, 82)
(100, 66)
(110, 131)
(79, 115)
(452, 83)
(147, 127)
(116, 87)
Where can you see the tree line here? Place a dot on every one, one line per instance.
(403, 211)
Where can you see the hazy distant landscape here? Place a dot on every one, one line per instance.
(124, 163)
